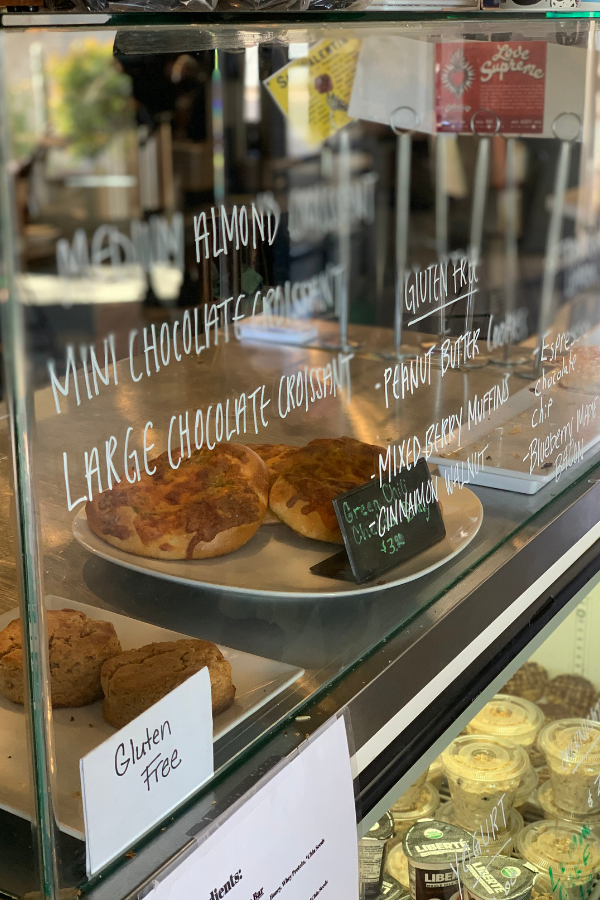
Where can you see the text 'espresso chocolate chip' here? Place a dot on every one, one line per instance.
(497, 876)
(432, 848)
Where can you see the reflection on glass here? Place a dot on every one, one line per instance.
(257, 280)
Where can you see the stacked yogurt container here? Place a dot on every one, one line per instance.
(572, 751)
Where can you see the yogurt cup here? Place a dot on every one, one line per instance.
(432, 849)
(370, 857)
(527, 786)
(568, 855)
(487, 839)
(572, 751)
(545, 796)
(483, 772)
(391, 889)
(427, 803)
(490, 877)
(412, 794)
(542, 889)
(509, 717)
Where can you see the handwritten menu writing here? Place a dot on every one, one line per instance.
(89, 369)
(384, 524)
(138, 775)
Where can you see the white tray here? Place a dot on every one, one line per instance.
(508, 432)
(78, 730)
(278, 561)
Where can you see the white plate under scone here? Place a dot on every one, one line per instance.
(77, 730)
(278, 561)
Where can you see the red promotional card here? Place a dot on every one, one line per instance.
(497, 86)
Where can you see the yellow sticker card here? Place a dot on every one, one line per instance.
(314, 91)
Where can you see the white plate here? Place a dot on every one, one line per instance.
(78, 730)
(278, 561)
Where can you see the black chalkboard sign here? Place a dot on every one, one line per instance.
(384, 525)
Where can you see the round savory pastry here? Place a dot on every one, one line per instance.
(77, 648)
(275, 457)
(211, 504)
(302, 495)
(135, 680)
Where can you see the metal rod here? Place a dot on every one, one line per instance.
(511, 218)
(344, 230)
(403, 163)
(552, 249)
(482, 166)
(441, 211)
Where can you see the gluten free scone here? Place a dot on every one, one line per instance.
(77, 648)
(135, 680)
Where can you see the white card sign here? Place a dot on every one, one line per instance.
(135, 778)
(293, 839)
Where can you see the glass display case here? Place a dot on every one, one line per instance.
(300, 328)
(514, 794)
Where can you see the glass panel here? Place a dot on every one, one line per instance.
(19, 869)
(532, 792)
(368, 255)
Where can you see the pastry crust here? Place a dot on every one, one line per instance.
(210, 505)
(137, 679)
(275, 457)
(77, 648)
(302, 495)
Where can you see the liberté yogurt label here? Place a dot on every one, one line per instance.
(431, 848)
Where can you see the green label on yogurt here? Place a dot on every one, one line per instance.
(433, 833)
(510, 871)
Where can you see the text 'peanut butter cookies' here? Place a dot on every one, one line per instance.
(77, 648)
(137, 679)
(302, 495)
(211, 504)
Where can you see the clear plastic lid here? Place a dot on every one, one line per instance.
(497, 876)
(432, 843)
(428, 801)
(436, 769)
(510, 717)
(546, 800)
(572, 742)
(527, 784)
(514, 824)
(485, 758)
(568, 850)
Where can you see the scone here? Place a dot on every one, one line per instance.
(572, 691)
(528, 682)
(554, 711)
(135, 680)
(78, 646)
